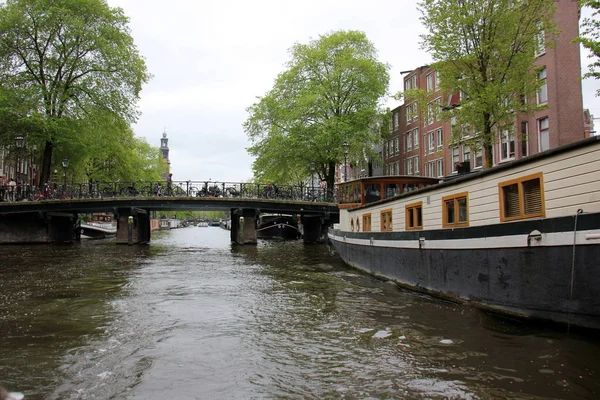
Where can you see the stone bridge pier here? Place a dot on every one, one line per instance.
(243, 226)
(38, 227)
(133, 226)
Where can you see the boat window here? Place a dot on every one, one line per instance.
(357, 225)
(455, 210)
(366, 222)
(350, 193)
(352, 224)
(391, 190)
(522, 198)
(414, 216)
(386, 220)
(372, 192)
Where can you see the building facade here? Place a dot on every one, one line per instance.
(419, 143)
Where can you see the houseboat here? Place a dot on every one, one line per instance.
(521, 238)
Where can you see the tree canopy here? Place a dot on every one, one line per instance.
(65, 60)
(328, 94)
(486, 50)
(590, 38)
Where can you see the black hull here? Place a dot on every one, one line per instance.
(280, 227)
(559, 283)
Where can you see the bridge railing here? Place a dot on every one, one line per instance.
(97, 190)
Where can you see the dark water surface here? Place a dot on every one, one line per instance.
(193, 317)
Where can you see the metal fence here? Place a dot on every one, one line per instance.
(99, 190)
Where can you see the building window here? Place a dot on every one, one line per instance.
(440, 167)
(524, 138)
(540, 41)
(429, 82)
(430, 113)
(409, 166)
(409, 141)
(416, 161)
(507, 145)
(416, 135)
(408, 113)
(542, 95)
(544, 134)
(522, 198)
(478, 160)
(431, 139)
(397, 142)
(466, 154)
(440, 138)
(414, 216)
(414, 81)
(455, 210)
(415, 113)
(431, 168)
(366, 222)
(455, 158)
(386, 220)
(437, 80)
(395, 120)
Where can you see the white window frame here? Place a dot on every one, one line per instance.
(506, 138)
(439, 133)
(454, 158)
(440, 167)
(409, 141)
(540, 41)
(477, 155)
(397, 143)
(416, 162)
(429, 82)
(542, 94)
(541, 131)
(416, 138)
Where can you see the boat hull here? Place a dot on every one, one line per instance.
(97, 232)
(504, 267)
(278, 227)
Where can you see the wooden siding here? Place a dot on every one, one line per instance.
(571, 181)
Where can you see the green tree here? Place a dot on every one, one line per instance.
(329, 94)
(590, 38)
(486, 50)
(66, 58)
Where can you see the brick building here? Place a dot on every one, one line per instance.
(419, 141)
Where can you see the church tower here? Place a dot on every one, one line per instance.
(164, 149)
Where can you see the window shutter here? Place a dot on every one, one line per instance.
(511, 201)
(532, 197)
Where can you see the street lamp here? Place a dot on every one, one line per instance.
(346, 147)
(65, 165)
(19, 142)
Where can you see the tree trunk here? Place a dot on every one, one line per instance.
(46, 164)
(487, 140)
(330, 180)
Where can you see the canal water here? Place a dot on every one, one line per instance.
(193, 317)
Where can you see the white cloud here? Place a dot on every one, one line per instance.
(211, 60)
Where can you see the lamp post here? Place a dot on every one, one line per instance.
(65, 165)
(346, 147)
(19, 143)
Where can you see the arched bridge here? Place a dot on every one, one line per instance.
(50, 214)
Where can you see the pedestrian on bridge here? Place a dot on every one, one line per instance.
(170, 185)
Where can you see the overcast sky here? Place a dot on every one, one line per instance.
(212, 59)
